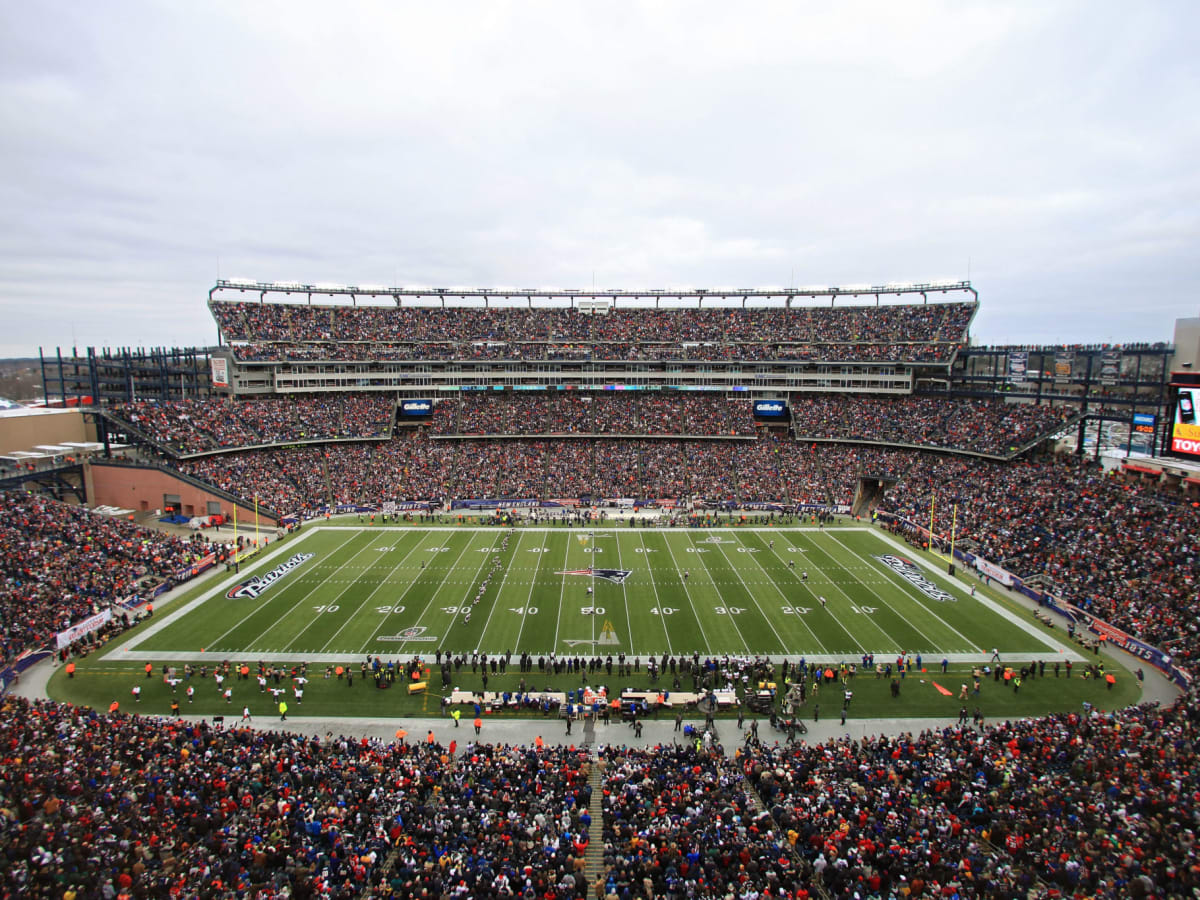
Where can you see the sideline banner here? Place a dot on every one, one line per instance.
(79, 629)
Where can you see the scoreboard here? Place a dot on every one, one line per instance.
(1185, 422)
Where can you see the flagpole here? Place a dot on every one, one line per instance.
(953, 530)
(932, 498)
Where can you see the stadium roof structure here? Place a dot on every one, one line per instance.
(424, 292)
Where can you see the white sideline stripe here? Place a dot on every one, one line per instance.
(882, 656)
(605, 530)
(122, 651)
(1028, 627)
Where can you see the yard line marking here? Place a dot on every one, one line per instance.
(222, 586)
(297, 605)
(217, 641)
(836, 618)
(529, 595)
(496, 599)
(779, 590)
(753, 599)
(378, 587)
(438, 590)
(562, 596)
(654, 587)
(1028, 627)
(687, 593)
(896, 578)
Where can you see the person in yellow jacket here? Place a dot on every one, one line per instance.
(282, 711)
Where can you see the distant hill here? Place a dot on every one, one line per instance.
(21, 379)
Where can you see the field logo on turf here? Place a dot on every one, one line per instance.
(259, 583)
(416, 633)
(608, 635)
(910, 573)
(616, 576)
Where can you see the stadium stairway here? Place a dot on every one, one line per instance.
(328, 481)
(812, 882)
(593, 860)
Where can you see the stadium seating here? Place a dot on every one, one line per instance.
(275, 332)
(199, 426)
(978, 426)
(60, 564)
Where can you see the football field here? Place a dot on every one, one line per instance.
(338, 593)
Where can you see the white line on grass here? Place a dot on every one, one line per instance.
(894, 578)
(499, 593)
(782, 595)
(836, 618)
(688, 593)
(298, 603)
(1028, 627)
(657, 600)
(378, 588)
(732, 619)
(754, 599)
(529, 596)
(155, 627)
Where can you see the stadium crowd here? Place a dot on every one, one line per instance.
(1114, 547)
(277, 331)
(680, 822)
(981, 426)
(762, 351)
(574, 413)
(933, 322)
(60, 564)
(198, 426)
(1079, 805)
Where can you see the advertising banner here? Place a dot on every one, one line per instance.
(496, 503)
(1018, 366)
(1063, 361)
(1110, 367)
(1185, 432)
(220, 371)
(416, 409)
(201, 565)
(79, 629)
(993, 571)
(770, 409)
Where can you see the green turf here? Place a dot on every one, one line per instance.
(404, 591)
(396, 592)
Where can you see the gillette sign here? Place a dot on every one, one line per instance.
(259, 583)
(770, 409)
(417, 408)
(910, 573)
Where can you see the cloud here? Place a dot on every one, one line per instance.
(1047, 147)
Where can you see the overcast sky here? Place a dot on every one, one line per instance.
(1049, 150)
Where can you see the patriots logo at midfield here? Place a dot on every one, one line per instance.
(616, 576)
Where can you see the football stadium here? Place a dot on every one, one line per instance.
(456, 592)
